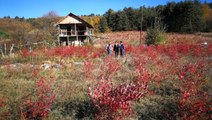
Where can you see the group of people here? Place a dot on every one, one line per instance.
(117, 48)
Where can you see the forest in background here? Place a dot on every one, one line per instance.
(181, 17)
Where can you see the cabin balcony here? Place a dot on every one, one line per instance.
(74, 33)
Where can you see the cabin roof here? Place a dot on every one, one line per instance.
(73, 19)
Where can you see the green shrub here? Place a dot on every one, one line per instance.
(3, 35)
(155, 36)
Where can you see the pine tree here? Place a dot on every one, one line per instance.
(122, 22)
(103, 27)
(186, 16)
(110, 17)
(131, 15)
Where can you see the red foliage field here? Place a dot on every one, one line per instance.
(168, 81)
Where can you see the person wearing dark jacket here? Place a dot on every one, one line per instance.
(116, 49)
(121, 49)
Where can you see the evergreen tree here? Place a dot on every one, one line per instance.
(110, 17)
(122, 22)
(184, 16)
(210, 5)
(131, 16)
(169, 17)
(17, 18)
(103, 27)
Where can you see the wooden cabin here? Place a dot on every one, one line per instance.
(73, 30)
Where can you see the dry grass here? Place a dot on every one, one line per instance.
(133, 37)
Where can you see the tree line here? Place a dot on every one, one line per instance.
(185, 16)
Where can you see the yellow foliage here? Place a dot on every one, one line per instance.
(94, 21)
(207, 12)
(13, 25)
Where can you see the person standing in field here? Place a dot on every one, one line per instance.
(121, 49)
(116, 49)
(109, 49)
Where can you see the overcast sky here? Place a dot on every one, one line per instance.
(37, 8)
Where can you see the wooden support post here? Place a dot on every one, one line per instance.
(68, 41)
(86, 31)
(75, 29)
(58, 38)
(59, 32)
(76, 33)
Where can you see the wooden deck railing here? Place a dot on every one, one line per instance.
(73, 33)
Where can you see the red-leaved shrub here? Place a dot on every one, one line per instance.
(38, 105)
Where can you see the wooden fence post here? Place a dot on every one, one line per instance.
(2, 53)
(11, 49)
(5, 49)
